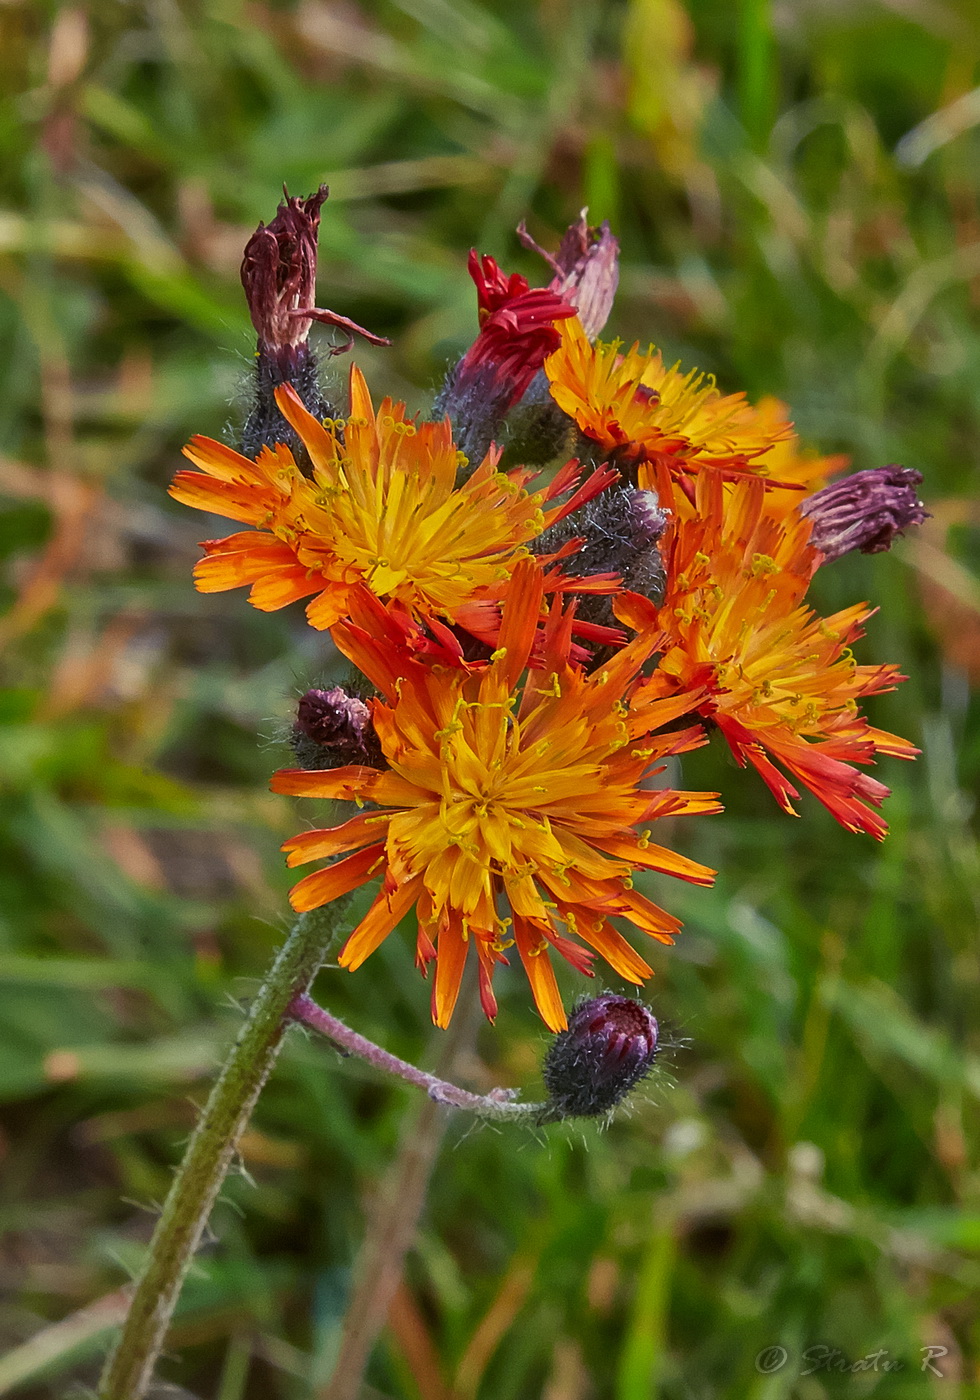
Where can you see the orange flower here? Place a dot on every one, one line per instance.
(503, 796)
(792, 473)
(381, 508)
(783, 685)
(632, 404)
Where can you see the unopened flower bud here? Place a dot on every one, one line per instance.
(620, 530)
(645, 572)
(586, 269)
(537, 430)
(609, 1046)
(864, 511)
(333, 729)
(648, 519)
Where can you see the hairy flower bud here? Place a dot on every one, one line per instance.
(333, 729)
(537, 430)
(609, 1046)
(648, 519)
(864, 511)
(620, 532)
(586, 269)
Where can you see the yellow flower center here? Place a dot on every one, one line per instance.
(499, 794)
(384, 508)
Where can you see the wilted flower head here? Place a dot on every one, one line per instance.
(864, 511)
(279, 275)
(609, 1046)
(586, 270)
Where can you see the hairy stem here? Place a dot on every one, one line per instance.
(498, 1105)
(209, 1154)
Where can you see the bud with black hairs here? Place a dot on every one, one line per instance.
(609, 1047)
(334, 728)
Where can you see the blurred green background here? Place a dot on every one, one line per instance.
(796, 186)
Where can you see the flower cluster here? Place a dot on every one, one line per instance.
(533, 651)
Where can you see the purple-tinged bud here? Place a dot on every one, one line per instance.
(586, 269)
(609, 1046)
(333, 729)
(648, 520)
(864, 511)
(645, 572)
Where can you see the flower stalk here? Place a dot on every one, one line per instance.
(498, 1106)
(210, 1152)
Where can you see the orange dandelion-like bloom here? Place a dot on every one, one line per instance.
(784, 687)
(381, 508)
(501, 797)
(636, 406)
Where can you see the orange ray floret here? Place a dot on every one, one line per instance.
(508, 815)
(783, 686)
(381, 508)
(792, 472)
(637, 407)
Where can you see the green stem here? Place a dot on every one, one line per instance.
(210, 1152)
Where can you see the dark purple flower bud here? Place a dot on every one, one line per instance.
(586, 269)
(333, 729)
(609, 1046)
(864, 511)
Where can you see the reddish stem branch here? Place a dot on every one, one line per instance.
(498, 1105)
